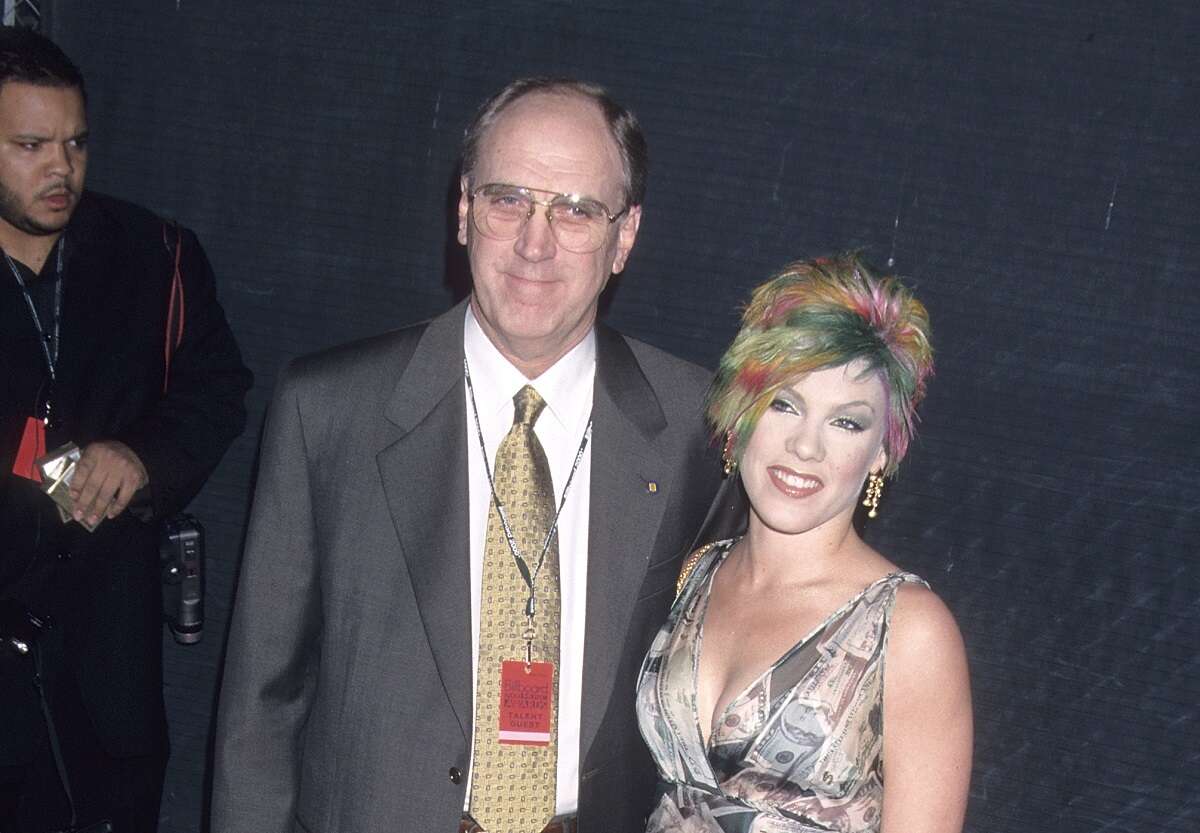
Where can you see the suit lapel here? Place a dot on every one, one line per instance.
(424, 476)
(428, 408)
(624, 516)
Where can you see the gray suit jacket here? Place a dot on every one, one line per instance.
(346, 700)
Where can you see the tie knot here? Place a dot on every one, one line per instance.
(529, 405)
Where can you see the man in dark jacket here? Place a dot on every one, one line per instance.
(111, 337)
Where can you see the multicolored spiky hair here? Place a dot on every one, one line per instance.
(818, 314)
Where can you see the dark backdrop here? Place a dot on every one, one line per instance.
(1031, 166)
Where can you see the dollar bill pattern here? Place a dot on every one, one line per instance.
(799, 751)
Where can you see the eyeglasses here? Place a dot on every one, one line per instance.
(579, 224)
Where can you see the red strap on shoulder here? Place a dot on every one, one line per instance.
(176, 309)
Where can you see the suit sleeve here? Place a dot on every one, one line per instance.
(182, 438)
(273, 651)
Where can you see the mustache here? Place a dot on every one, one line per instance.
(57, 188)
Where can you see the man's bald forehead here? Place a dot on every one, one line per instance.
(622, 125)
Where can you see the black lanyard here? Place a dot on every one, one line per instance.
(49, 345)
(513, 547)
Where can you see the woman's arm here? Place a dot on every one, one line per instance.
(927, 728)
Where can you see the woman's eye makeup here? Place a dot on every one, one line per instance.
(848, 423)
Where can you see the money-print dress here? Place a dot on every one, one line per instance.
(798, 751)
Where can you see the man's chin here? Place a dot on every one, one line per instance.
(42, 227)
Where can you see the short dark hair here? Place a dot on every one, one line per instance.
(622, 124)
(31, 58)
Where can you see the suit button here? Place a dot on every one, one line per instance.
(455, 775)
(64, 556)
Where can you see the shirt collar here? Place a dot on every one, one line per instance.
(566, 386)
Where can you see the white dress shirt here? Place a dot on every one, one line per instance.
(567, 389)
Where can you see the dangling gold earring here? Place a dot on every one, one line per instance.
(727, 461)
(874, 490)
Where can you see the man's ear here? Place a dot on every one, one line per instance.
(464, 209)
(626, 235)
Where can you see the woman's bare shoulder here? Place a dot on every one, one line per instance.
(925, 644)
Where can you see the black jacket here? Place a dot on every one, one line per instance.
(101, 588)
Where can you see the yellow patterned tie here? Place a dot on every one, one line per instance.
(513, 787)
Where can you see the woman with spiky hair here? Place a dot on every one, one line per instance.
(803, 682)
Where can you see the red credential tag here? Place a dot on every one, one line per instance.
(33, 446)
(526, 702)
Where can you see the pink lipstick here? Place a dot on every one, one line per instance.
(793, 484)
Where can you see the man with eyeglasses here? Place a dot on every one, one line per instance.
(465, 533)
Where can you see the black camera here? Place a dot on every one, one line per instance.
(182, 558)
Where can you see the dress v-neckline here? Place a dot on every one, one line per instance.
(706, 743)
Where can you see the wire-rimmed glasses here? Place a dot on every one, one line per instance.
(501, 211)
